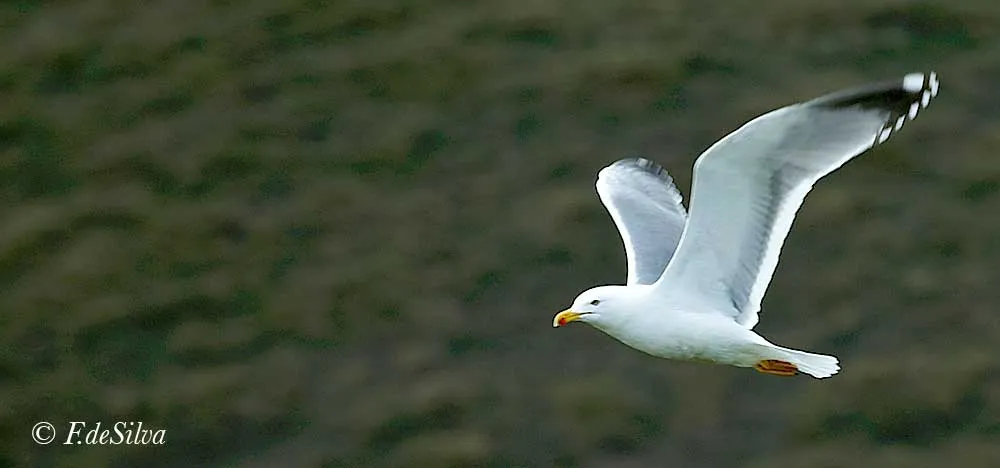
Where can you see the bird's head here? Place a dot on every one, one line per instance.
(595, 306)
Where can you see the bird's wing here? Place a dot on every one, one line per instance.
(646, 207)
(748, 186)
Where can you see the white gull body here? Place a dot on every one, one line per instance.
(695, 282)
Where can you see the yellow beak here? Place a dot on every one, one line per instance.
(564, 317)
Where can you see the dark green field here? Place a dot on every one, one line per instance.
(334, 234)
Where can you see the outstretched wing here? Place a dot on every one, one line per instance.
(748, 186)
(646, 207)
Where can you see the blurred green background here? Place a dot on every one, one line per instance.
(334, 234)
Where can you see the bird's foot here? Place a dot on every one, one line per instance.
(776, 367)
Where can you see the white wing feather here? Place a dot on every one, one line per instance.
(646, 207)
(748, 186)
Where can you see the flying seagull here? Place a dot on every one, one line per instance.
(695, 281)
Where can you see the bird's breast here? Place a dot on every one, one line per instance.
(685, 336)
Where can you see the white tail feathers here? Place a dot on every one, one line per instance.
(817, 365)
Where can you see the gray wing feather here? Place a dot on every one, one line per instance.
(748, 186)
(648, 211)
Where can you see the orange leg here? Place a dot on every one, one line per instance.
(776, 367)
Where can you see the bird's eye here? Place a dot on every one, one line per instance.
(595, 302)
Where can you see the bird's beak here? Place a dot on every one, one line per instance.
(564, 317)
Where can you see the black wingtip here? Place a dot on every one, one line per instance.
(901, 100)
(895, 96)
(645, 165)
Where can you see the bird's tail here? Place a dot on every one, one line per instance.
(820, 366)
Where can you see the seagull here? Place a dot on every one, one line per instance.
(695, 281)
